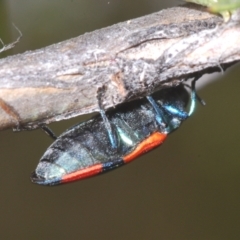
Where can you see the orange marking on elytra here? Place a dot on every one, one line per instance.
(146, 145)
(83, 173)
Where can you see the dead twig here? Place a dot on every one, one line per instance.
(131, 59)
(6, 47)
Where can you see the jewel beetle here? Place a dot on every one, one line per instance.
(115, 138)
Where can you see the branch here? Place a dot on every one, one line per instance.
(132, 59)
(6, 47)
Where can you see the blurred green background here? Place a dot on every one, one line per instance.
(186, 189)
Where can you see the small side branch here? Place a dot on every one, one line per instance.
(6, 47)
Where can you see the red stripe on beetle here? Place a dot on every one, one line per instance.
(83, 173)
(146, 145)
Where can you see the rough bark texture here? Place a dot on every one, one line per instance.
(131, 59)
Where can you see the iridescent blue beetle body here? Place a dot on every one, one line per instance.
(109, 141)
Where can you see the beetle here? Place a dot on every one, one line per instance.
(224, 7)
(115, 138)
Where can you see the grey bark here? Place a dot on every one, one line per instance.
(131, 59)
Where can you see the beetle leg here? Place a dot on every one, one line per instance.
(166, 125)
(159, 113)
(177, 114)
(194, 97)
(48, 131)
(108, 126)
